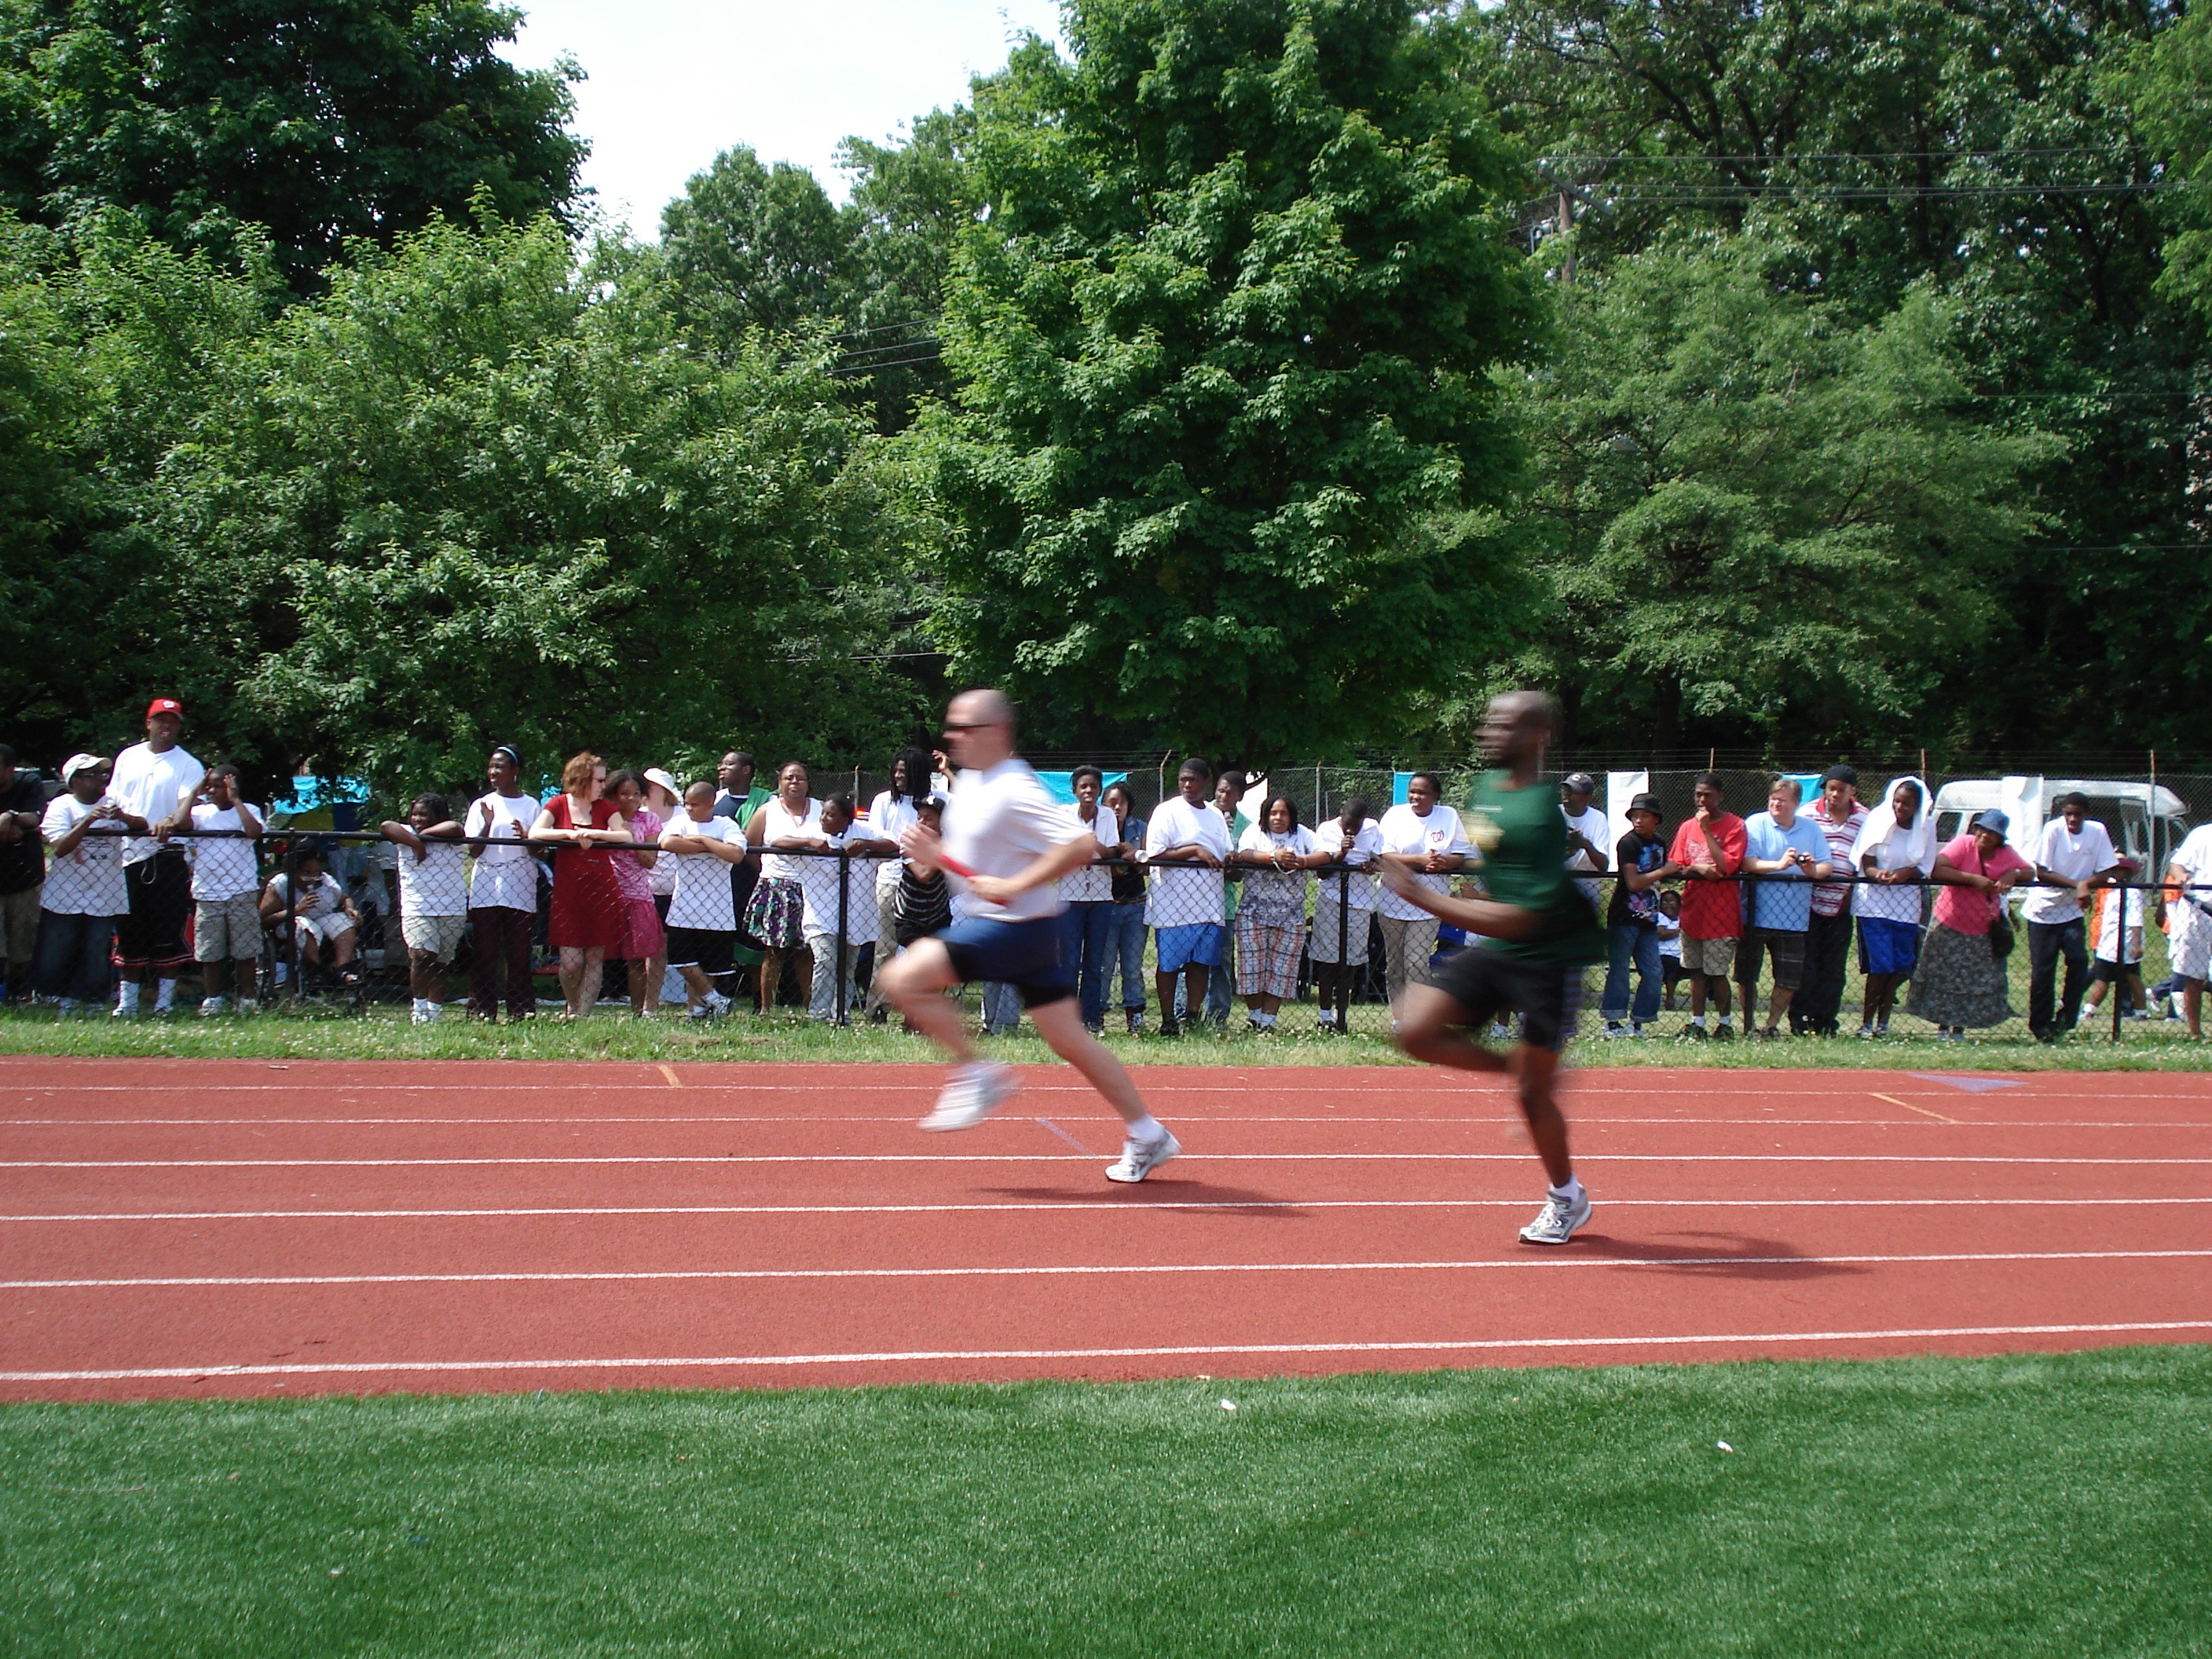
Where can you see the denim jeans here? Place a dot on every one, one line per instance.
(2047, 942)
(1638, 946)
(1087, 946)
(72, 956)
(1126, 947)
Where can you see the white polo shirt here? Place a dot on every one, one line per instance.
(1407, 832)
(997, 822)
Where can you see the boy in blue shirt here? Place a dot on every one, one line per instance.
(1783, 854)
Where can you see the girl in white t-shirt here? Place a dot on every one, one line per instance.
(788, 820)
(1344, 907)
(1271, 913)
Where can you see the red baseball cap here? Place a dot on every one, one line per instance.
(164, 706)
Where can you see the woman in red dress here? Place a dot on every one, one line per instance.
(587, 918)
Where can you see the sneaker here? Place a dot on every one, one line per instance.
(1724, 1034)
(1866, 1031)
(1136, 1018)
(1141, 1157)
(701, 1015)
(974, 1094)
(1170, 1026)
(1692, 1034)
(210, 1007)
(1557, 1221)
(717, 1005)
(1614, 1031)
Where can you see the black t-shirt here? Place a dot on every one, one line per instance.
(23, 861)
(1639, 852)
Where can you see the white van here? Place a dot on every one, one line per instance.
(2147, 822)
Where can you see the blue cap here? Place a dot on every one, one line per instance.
(1995, 821)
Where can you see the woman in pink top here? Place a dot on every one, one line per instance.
(643, 945)
(1960, 981)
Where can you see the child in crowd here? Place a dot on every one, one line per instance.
(2116, 923)
(85, 890)
(434, 898)
(1669, 929)
(702, 917)
(818, 880)
(324, 920)
(226, 885)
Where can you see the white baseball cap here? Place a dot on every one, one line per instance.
(659, 775)
(76, 763)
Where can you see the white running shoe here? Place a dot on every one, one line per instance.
(210, 1007)
(974, 1094)
(1141, 1157)
(1557, 1221)
(717, 1003)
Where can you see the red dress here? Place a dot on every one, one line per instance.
(588, 900)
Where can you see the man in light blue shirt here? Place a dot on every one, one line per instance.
(1784, 856)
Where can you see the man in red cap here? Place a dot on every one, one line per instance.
(154, 784)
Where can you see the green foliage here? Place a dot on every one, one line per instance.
(751, 247)
(1746, 512)
(2168, 81)
(1222, 341)
(320, 123)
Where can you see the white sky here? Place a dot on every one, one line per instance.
(673, 82)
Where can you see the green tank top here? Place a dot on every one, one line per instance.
(1523, 836)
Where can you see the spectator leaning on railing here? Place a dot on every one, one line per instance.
(1187, 844)
(1425, 839)
(1587, 833)
(1631, 921)
(788, 820)
(586, 924)
(1819, 999)
(1959, 980)
(226, 888)
(1344, 907)
(1708, 849)
(1087, 941)
(1228, 791)
(1895, 852)
(1782, 850)
(154, 783)
(890, 815)
(1126, 947)
(502, 892)
(1275, 854)
(2074, 855)
(22, 868)
(642, 950)
(2188, 894)
(84, 893)
(819, 879)
(434, 898)
(704, 846)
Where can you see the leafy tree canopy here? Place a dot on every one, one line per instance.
(1224, 340)
(323, 123)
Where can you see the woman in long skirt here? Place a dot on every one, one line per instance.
(1961, 981)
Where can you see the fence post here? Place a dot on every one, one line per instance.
(844, 893)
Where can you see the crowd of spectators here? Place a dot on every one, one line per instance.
(723, 888)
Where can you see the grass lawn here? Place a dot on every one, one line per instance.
(383, 1033)
(2056, 1505)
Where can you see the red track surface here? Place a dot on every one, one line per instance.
(188, 1229)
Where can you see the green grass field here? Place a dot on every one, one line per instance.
(383, 1033)
(2057, 1505)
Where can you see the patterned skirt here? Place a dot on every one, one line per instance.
(1268, 957)
(776, 915)
(1959, 982)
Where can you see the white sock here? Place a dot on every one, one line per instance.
(1697, 1020)
(1572, 1192)
(127, 996)
(1724, 1020)
(165, 994)
(1147, 1128)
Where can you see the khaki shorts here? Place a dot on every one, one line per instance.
(1713, 958)
(227, 930)
(18, 923)
(439, 935)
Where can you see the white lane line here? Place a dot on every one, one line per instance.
(1115, 1206)
(1047, 1123)
(1546, 1264)
(1191, 1351)
(1416, 1082)
(1586, 1123)
(942, 1159)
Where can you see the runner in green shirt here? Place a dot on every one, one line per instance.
(1538, 934)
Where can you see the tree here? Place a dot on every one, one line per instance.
(752, 247)
(1225, 425)
(2168, 81)
(325, 123)
(1746, 514)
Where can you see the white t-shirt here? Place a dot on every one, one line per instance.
(1090, 883)
(152, 787)
(890, 817)
(1900, 903)
(997, 822)
(1593, 829)
(703, 899)
(1275, 897)
(2072, 856)
(435, 884)
(222, 869)
(506, 876)
(817, 885)
(86, 881)
(777, 823)
(1411, 835)
(1359, 889)
(1182, 895)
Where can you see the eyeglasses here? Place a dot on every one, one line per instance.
(971, 726)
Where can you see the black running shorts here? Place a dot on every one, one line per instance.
(1487, 983)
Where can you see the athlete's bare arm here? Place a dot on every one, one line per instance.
(1484, 916)
(923, 849)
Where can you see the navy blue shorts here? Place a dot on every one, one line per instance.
(1025, 955)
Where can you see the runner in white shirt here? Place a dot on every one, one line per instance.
(2188, 896)
(1004, 844)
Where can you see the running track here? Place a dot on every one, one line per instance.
(186, 1229)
